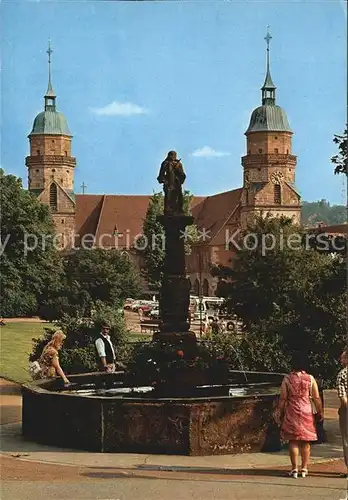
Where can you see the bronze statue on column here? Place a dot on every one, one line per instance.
(172, 176)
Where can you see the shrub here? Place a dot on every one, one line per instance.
(79, 359)
(162, 362)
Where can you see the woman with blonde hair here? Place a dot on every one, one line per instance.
(299, 402)
(49, 359)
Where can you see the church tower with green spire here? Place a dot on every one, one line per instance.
(50, 164)
(269, 165)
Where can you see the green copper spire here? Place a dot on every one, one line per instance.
(49, 121)
(50, 96)
(268, 89)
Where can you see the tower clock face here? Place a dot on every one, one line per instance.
(277, 177)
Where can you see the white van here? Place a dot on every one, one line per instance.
(202, 306)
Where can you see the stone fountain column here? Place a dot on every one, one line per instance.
(174, 300)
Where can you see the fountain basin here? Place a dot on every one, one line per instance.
(101, 413)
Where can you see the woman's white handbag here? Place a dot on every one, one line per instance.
(34, 369)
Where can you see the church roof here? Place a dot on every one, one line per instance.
(268, 118)
(50, 122)
(214, 213)
(105, 215)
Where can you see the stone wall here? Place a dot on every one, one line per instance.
(269, 143)
(50, 159)
(65, 227)
(50, 145)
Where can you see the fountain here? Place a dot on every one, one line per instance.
(180, 401)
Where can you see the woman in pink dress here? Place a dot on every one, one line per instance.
(295, 413)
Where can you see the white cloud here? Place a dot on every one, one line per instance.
(117, 108)
(208, 152)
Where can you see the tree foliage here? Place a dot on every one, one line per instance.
(30, 263)
(316, 212)
(341, 159)
(153, 253)
(288, 297)
(91, 276)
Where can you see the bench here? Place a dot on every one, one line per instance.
(149, 326)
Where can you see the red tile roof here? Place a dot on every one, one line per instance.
(215, 213)
(105, 215)
(88, 208)
(341, 229)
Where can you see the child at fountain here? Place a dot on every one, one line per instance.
(299, 400)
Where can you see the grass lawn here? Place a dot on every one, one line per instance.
(16, 345)
(139, 337)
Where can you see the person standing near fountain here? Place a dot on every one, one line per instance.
(105, 350)
(342, 390)
(295, 413)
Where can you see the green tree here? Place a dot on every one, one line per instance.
(30, 263)
(91, 276)
(321, 211)
(153, 253)
(341, 160)
(287, 297)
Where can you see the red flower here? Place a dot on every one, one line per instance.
(180, 353)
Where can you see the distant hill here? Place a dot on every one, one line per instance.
(314, 212)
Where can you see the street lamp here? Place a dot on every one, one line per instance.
(200, 265)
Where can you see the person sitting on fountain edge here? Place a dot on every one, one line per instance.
(105, 350)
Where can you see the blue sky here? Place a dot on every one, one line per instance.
(136, 79)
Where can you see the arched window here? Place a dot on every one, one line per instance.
(206, 288)
(277, 194)
(196, 288)
(53, 197)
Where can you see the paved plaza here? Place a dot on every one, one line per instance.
(34, 471)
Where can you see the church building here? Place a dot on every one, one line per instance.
(116, 220)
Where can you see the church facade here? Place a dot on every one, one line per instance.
(115, 221)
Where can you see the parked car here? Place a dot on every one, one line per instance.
(128, 303)
(154, 313)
